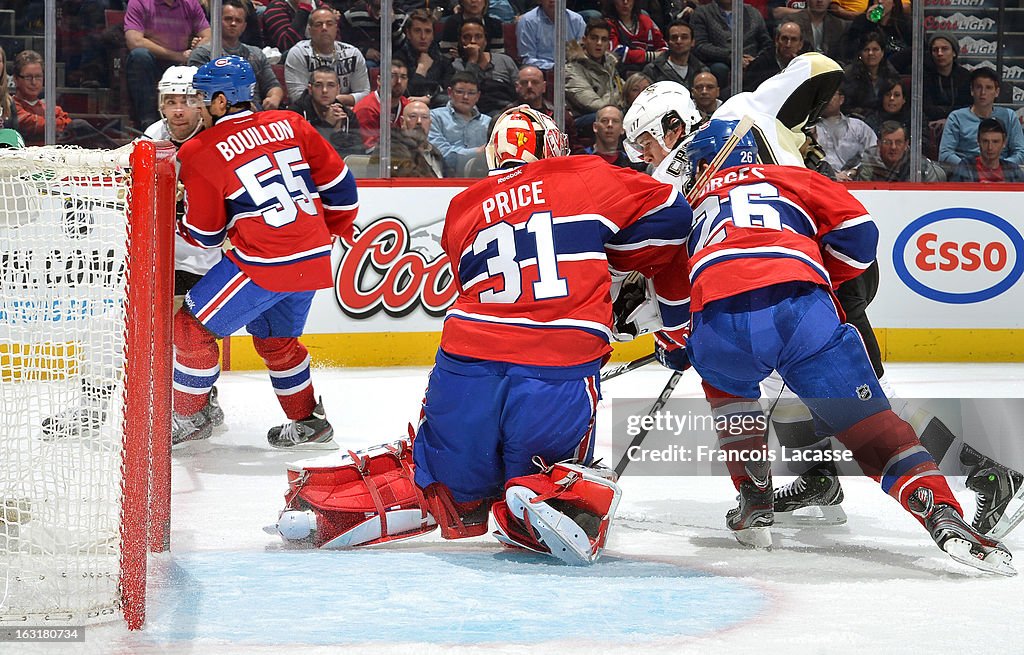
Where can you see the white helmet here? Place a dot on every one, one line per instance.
(522, 135)
(176, 81)
(659, 108)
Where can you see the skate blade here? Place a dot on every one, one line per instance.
(997, 561)
(760, 538)
(826, 515)
(309, 445)
(1011, 518)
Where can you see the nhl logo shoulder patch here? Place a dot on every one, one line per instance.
(864, 392)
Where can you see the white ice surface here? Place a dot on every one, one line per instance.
(875, 585)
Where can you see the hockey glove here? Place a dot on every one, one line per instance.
(670, 354)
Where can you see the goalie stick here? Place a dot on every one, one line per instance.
(738, 133)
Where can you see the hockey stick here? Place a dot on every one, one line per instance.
(670, 386)
(616, 371)
(738, 133)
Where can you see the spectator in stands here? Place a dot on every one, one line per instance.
(360, 25)
(504, 11)
(320, 106)
(608, 133)
(632, 87)
(947, 84)
(844, 139)
(712, 35)
(531, 88)
(889, 161)
(635, 39)
(823, 31)
(893, 106)
(158, 34)
(848, 9)
(865, 79)
(535, 34)
(323, 49)
(367, 110)
(458, 129)
(8, 112)
(412, 154)
(28, 85)
(591, 77)
(451, 29)
(988, 165)
(705, 94)
(269, 94)
(429, 69)
(284, 23)
(678, 63)
(894, 29)
(253, 32)
(496, 71)
(960, 136)
(789, 42)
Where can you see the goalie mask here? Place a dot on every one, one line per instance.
(660, 108)
(522, 135)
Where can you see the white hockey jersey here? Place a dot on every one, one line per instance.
(187, 257)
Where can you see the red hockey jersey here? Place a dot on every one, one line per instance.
(276, 188)
(762, 225)
(531, 250)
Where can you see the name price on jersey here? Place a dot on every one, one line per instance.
(29, 633)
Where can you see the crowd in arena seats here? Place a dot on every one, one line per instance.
(465, 61)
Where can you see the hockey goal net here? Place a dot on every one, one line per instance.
(86, 263)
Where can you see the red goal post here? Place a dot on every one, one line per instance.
(86, 286)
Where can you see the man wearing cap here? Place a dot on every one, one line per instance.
(947, 84)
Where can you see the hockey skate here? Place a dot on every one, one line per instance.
(84, 420)
(751, 522)
(818, 490)
(1000, 494)
(959, 540)
(198, 426)
(310, 433)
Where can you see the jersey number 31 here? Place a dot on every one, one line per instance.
(505, 263)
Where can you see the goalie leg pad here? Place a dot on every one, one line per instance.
(369, 501)
(565, 511)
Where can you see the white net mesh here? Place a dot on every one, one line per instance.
(63, 257)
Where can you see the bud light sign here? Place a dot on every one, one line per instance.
(959, 255)
(385, 269)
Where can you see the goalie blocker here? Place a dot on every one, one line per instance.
(564, 511)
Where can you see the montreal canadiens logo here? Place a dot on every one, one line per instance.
(959, 255)
(388, 269)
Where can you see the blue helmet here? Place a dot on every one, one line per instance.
(710, 138)
(229, 75)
